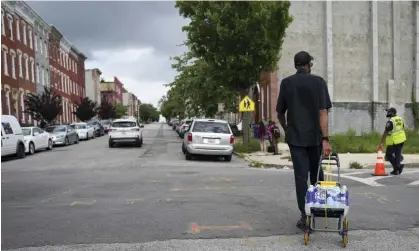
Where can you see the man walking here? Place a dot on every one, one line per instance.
(305, 99)
(394, 136)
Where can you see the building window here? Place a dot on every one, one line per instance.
(33, 70)
(9, 112)
(26, 66)
(62, 82)
(40, 46)
(47, 78)
(24, 33)
(36, 42)
(19, 63)
(3, 27)
(13, 63)
(22, 105)
(17, 29)
(29, 116)
(10, 22)
(37, 75)
(30, 39)
(5, 66)
(42, 76)
(46, 49)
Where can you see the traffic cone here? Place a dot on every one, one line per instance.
(379, 165)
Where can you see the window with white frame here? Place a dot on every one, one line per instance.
(30, 39)
(17, 29)
(26, 66)
(5, 66)
(24, 33)
(40, 46)
(19, 63)
(38, 74)
(47, 78)
(10, 22)
(62, 82)
(46, 49)
(22, 104)
(29, 116)
(13, 63)
(33, 70)
(36, 42)
(9, 112)
(42, 76)
(3, 27)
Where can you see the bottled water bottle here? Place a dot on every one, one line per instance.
(309, 199)
(345, 196)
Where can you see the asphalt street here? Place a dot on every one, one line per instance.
(91, 197)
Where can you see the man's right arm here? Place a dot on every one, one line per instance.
(281, 106)
(324, 105)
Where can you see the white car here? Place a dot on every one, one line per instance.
(11, 137)
(84, 130)
(125, 131)
(36, 139)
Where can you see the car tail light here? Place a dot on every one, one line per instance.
(189, 137)
(232, 139)
(135, 129)
(111, 129)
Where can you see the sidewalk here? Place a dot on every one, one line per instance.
(283, 160)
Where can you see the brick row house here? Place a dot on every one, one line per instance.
(34, 55)
(112, 90)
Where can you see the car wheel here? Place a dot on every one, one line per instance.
(228, 158)
(20, 153)
(111, 144)
(139, 143)
(94, 135)
(66, 141)
(77, 140)
(188, 156)
(31, 148)
(50, 145)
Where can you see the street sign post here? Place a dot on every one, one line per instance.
(246, 106)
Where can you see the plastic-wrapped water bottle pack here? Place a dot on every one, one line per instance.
(327, 197)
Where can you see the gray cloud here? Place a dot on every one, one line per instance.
(118, 26)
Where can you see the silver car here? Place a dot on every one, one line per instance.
(208, 137)
(63, 135)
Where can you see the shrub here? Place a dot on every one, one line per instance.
(254, 146)
(355, 165)
(367, 142)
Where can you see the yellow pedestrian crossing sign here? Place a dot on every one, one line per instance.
(247, 105)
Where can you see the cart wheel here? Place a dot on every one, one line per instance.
(306, 237)
(345, 233)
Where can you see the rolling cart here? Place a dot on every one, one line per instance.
(315, 210)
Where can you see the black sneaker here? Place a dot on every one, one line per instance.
(301, 223)
(395, 172)
(401, 169)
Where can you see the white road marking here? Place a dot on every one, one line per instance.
(414, 183)
(362, 180)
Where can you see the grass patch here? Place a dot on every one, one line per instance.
(367, 142)
(355, 165)
(238, 146)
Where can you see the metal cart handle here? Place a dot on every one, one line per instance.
(333, 159)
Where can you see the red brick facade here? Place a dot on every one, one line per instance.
(17, 71)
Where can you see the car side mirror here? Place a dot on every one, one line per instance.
(68, 130)
(142, 126)
(35, 133)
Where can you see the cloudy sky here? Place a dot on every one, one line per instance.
(130, 40)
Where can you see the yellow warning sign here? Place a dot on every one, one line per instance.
(247, 105)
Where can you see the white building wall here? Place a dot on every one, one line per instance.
(90, 90)
(364, 50)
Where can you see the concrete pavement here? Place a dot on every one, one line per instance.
(150, 198)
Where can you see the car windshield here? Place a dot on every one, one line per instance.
(211, 127)
(80, 126)
(55, 129)
(105, 122)
(188, 122)
(124, 124)
(26, 131)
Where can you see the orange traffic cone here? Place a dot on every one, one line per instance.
(379, 165)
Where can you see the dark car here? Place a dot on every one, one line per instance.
(106, 124)
(98, 127)
(235, 130)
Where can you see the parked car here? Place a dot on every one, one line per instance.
(208, 137)
(36, 139)
(12, 140)
(106, 123)
(185, 127)
(84, 131)
(174, 123)
(63, 135)
(98, 127)
(125, 131)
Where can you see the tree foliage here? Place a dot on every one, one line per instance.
(148, 113)
(44, 107)
(86, 109)
(106, 110)
(120, 110)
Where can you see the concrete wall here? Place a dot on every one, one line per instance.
(365, 51)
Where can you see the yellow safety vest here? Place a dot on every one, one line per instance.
(397, 135)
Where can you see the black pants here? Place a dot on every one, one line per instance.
(305, 160)
(394, 155)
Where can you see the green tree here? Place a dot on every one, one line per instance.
(148, 113)
(44, 107)
(239, 40)
(120, 110)
(86, 109)
(106, 110)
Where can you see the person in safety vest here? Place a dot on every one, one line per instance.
(394, 137)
